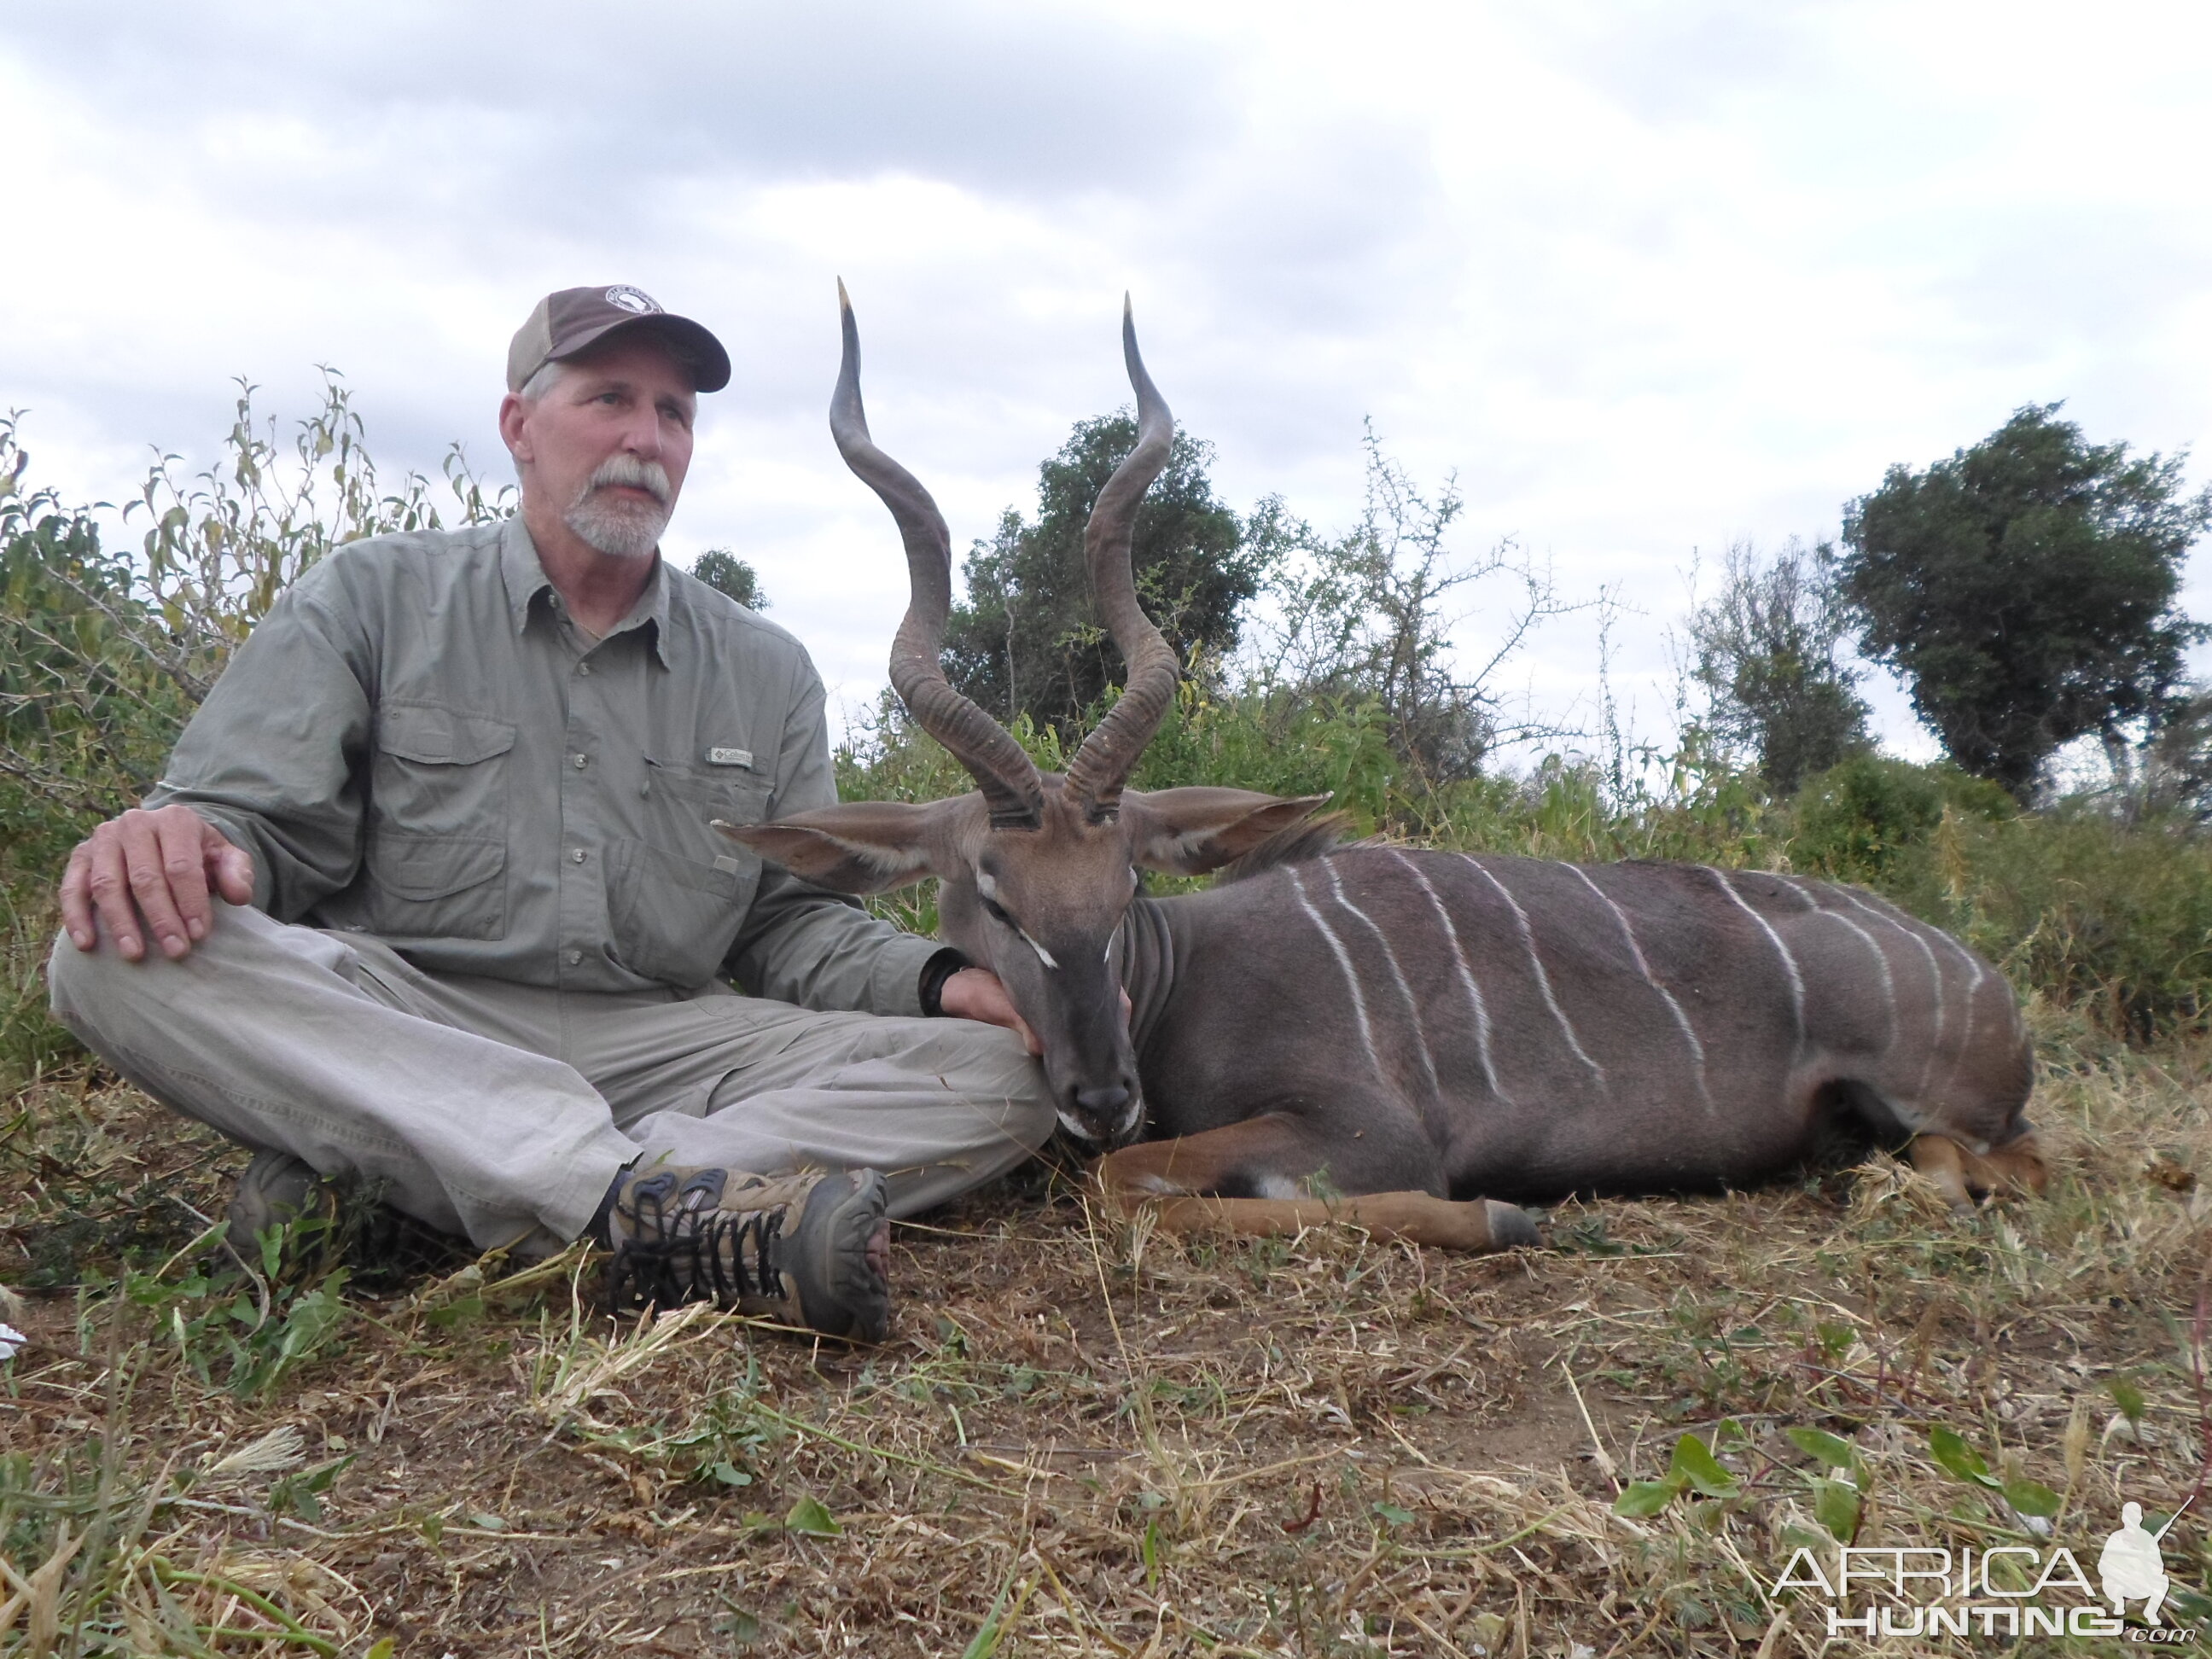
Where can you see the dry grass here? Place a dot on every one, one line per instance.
(1086, 1438)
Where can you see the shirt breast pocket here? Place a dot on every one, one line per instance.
(677, 896)
(438, 828)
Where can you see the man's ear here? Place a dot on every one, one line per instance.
(1188, 832)
(513, 412)
(861, 847)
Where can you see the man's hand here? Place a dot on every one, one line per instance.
(151, 873)
(977, 993)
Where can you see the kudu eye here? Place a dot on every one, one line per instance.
(997, 912)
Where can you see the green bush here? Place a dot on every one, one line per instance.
(102, 657)
(2094, 912)
(1874, 821)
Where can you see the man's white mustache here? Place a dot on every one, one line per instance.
(649, 476)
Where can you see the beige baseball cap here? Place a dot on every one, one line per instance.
(576, 319)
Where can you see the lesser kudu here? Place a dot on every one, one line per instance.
(1395, 1037)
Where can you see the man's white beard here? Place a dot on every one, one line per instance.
(614, 524)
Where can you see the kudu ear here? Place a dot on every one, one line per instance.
(1188, 832)
(861, 847)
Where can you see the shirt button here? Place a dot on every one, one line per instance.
(581, 762)
(572, 958)
(576, 856)
(583, 668)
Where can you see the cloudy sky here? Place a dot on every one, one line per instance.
(1648, 276)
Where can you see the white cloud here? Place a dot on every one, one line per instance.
(1649, 274)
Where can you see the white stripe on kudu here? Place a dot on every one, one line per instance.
(1412, 1008)
(1343, 961)
(1935, 968)
(1788, 962)
(1934, 981)
(1466, 977)
(1880, 956)
(1636, 954)
(1543, 979)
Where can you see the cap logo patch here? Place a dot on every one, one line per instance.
(631, 299)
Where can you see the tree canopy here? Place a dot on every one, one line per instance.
(2025, 589)
(1767, 654)
(725, 572)
(1027, 640)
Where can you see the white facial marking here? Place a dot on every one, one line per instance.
(989, 889)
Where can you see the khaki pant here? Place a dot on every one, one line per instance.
(503, 1111)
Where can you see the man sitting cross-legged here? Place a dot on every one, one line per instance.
(429, 896)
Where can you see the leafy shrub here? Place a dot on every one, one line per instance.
(102, 658)
(104, 655)
(2092, 913)
(1874, 821)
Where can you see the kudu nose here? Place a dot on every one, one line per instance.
(1104, 1105)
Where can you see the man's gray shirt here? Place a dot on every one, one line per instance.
(417, 743)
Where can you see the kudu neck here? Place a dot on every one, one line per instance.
(1148, 968)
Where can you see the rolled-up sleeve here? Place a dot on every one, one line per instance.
(272, 757)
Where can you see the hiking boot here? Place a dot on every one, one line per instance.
(277, 1189)
(807, 1250)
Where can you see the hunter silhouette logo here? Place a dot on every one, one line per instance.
(2131, 1568)
(1998, 1589)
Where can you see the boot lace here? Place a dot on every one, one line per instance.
(673, 1253)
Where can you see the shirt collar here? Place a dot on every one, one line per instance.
(525, 579)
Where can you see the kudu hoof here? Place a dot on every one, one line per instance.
(1510, 1229)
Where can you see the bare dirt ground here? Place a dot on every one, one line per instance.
(1084, 1437)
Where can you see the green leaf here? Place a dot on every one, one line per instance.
(1836, 1507)
(2128, 1397)
(1949, 1450)
(807, 1515)
(1394, 1515)
(1645, 1497)
(1833, 1449)
(382, 1650)
(731, 1475)
(2031, 1497)
(1693, 1462)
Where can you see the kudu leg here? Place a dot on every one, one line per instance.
(1179, 1180)
(2015, 1168)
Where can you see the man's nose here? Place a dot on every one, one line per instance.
(640, 433)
